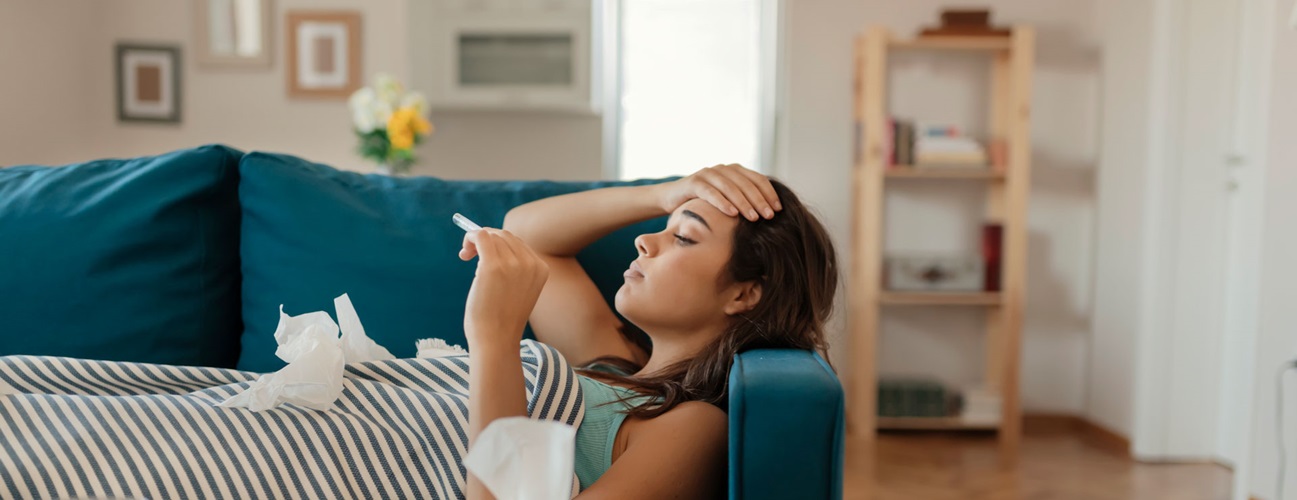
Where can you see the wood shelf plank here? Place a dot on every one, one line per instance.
(934, 424)
(984, 43)
(969, 173)
(940, 299)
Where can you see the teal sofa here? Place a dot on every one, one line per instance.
(185, 258)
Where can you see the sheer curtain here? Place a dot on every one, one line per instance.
(691, 91)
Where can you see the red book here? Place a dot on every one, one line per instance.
(889, 142)
(992, 248)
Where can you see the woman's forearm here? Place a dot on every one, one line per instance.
(563, 225)
(495, 390)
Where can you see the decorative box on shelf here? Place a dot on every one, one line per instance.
(936, 273)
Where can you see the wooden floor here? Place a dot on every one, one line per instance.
(1054, 465)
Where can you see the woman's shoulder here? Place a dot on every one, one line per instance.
(698, 426)
(694, 416)
(698, 412)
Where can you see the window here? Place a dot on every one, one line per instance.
(693, 83)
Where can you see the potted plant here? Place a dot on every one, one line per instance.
(389, 121)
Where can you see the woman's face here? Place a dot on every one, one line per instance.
(675, 284)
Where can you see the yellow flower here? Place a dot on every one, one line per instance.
(404, 124)
(402, 140)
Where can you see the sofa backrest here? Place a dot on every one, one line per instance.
(185, 258)
(129, 260)
(311, 232)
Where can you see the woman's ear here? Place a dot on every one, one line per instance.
(747, 297)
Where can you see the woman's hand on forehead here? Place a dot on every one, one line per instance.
(733, 189)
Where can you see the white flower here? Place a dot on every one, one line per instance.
(389, 90)
(380, 111)
(368, 112)
(416, 100)
(362, 103)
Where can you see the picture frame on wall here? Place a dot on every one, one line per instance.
(233, 33)
(148, 82)
(324, 59)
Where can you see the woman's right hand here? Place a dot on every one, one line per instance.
(509, 279)
(731, 188)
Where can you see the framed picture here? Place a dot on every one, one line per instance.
(233, 33)
(148, 83)
(323, 53)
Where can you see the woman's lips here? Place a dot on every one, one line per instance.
(634, 271)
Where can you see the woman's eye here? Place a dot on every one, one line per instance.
(683, 240)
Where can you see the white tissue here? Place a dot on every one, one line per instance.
(518, 458)
(356, 346)
(436, 348)
(316, 359)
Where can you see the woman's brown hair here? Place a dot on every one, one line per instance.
(792, 258)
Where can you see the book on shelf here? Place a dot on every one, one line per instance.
(980, 406)
(904, 143)
(992, 252)
(946, 146)
(927, 130)
(930, 145)
(914, 397)
(899, 141)
(889, 142)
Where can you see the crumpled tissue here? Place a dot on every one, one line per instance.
(316, 358)
(518, 458)
(436, 348)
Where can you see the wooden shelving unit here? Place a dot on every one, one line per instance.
(939, 299)
(974, 43)
(909, 172)
(1007, 189)
(933, 424)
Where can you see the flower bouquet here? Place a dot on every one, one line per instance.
(389, 122)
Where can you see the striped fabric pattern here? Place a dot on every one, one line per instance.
(85, 429)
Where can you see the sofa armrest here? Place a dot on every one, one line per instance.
(786, 425)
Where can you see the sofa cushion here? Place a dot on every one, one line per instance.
(131, 260)
(311, 233)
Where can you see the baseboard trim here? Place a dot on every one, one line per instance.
(1094, 434)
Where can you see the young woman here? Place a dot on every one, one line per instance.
(741, 264)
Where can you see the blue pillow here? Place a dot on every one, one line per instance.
(129, 260)
(311, 233)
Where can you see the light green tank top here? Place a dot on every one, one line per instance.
(604, 414)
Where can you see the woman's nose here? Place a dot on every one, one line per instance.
(642, 245)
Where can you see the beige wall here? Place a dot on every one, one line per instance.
(70, 73)
(43, 81)
(1119, 309)
(513, 145)
(248, 109)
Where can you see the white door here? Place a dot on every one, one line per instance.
(1207, 250)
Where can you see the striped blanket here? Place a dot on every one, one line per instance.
(85, 429)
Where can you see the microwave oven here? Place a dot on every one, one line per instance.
(539, 60)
